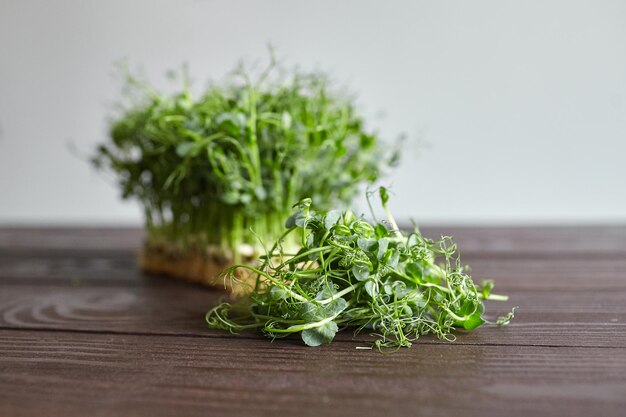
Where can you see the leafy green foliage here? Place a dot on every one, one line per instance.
(350, 273)
(233, 159)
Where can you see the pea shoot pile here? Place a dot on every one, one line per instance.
(351, 273)
(223, 169)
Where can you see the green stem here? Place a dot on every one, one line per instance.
(299, 328)
(496, 297)
(340, 293)
(252, 137)
(423, 284)
(392, 221)
(302, 255)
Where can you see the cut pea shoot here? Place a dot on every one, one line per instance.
(350, 273)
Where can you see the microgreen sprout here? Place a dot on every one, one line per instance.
(222, 169)
(350, 273)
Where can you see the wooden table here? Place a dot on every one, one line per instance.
(84, 333)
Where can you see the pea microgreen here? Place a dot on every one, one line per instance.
(224, 168)
(352, 273)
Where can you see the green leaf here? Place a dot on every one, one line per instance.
(362, 228)
(391, 258)
(408, 310)
(303, 204)
(185, 148)
(384, 195)
(331, 218)
(341, 230)
(473, 310)
(381, 231)
(486, 287)
(361, 271)
(371, 287)
(366, 245)
(414, 270)
(348, 217)
(382, 247)
(278, 293)
(474, 321)
(326, 292)
(320, 335)
(229, 123)
(296, 219)
(313, 312)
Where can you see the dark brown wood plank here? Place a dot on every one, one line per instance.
(66, 374)
(80, 238)
(545, 318)
(117, 268)
(535, 241)
(544, 241)
(97, 267)
(540, 274)
(82, 331)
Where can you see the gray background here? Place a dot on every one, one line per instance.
(516, 110)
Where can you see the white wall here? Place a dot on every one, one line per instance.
(517, 110)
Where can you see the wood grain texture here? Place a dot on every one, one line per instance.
(83, 332)
(536, 241)
(546, 318)
(113, 268)
(155, 375)
(82, 238)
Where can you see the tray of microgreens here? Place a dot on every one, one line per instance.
(218, 171)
